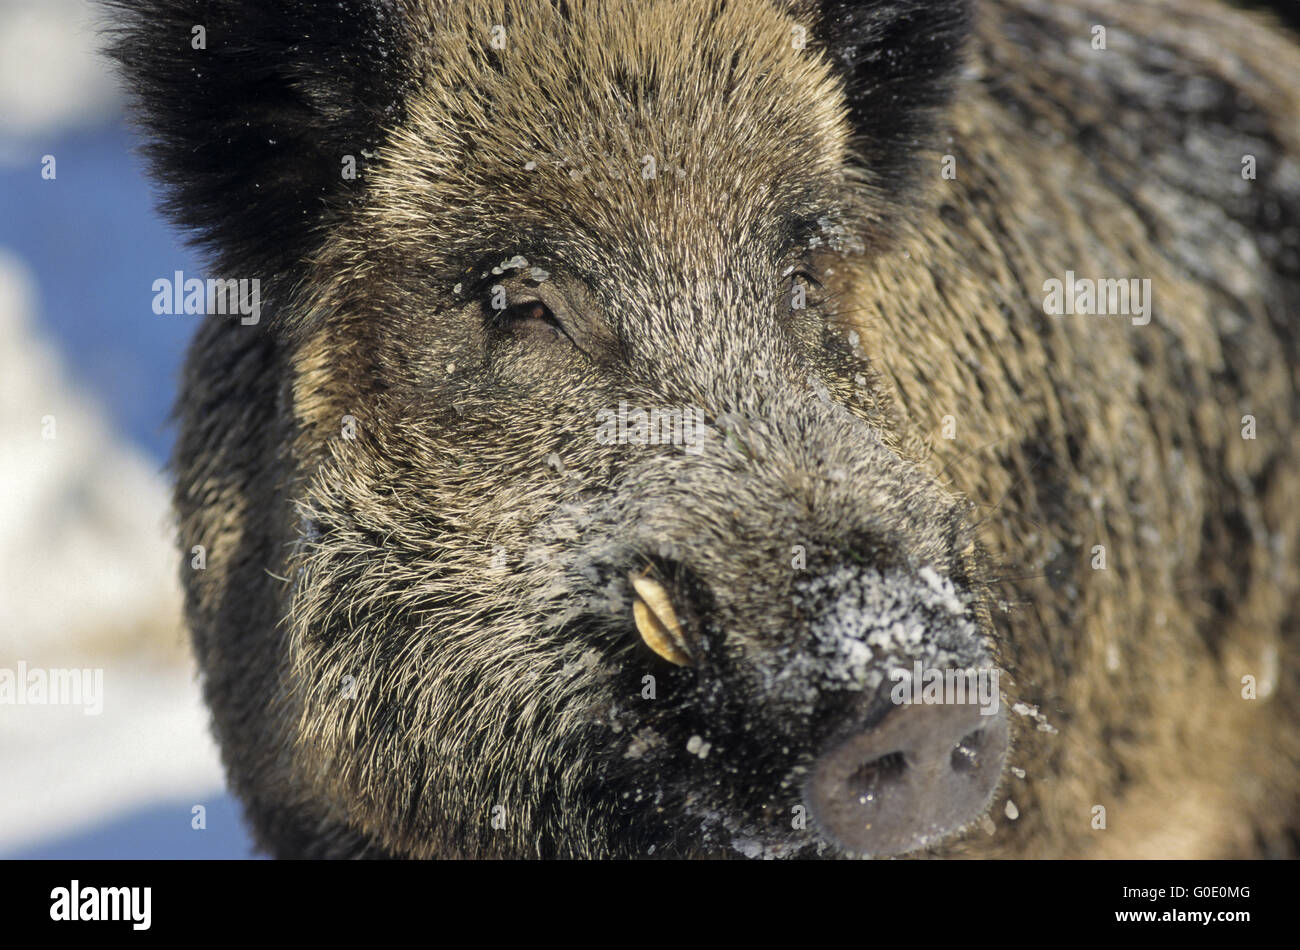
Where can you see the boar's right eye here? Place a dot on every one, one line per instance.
(526, 316)
(531, 310)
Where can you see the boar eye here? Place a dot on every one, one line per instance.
(804, 289)
(807, 278)
(526, 315)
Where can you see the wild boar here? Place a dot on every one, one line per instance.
(646, 392)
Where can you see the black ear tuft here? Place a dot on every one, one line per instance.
(251, 106)
(898, 59)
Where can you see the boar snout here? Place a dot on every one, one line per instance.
(781, 578)
(919, 774)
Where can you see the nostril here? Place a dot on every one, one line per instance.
(871, 778)
(919, 774)
(966, 756)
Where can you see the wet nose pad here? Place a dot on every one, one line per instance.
(922, 772)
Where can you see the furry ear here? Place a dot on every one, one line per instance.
(898, 59)
(251, 108)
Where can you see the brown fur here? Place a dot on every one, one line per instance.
(371, 558)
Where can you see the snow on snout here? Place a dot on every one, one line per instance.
(867, 622)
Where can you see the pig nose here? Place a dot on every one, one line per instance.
(922, 772)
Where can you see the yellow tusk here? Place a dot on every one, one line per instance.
(657, 622)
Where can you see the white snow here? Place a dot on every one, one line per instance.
(62, 771)
(87, 581)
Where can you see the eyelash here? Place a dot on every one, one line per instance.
(808, 278)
